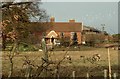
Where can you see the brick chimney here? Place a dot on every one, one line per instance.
(52, 19)
(72, 21)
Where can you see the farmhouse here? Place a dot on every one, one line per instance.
(53, 31)
(64, 29)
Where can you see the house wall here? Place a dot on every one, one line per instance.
(79, 36)
(68, 34)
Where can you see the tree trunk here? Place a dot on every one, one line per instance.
(3, 41)
(11, 58)
(11, 68)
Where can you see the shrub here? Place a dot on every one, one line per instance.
(25, 47)
(65, 41)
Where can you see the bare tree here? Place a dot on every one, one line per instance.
(15, 20)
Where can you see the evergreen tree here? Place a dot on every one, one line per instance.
(74, 39)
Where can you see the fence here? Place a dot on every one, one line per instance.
(105, 75)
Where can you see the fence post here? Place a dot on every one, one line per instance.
(56, 74)
(28, 71)
(109, 63)
(114, 75)
(88, 76)
(73, 74)
(105, 74)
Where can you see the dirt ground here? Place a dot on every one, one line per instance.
(77, 63)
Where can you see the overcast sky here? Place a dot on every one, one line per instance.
(90, 13)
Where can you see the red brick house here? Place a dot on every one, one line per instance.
(64, 28)
(52, 30)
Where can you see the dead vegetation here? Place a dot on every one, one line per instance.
(61, 63)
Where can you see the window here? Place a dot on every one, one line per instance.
(62, 34)
(72, 34)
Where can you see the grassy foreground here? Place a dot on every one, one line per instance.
(77, 64)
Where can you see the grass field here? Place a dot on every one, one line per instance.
(76, 64)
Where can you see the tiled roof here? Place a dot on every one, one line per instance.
(58, 26)
(66, 27)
